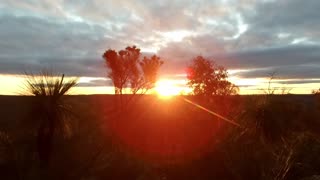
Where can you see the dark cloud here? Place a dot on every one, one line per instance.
(293, 16)
(70, 67)
(274, 56)
(290, 61)
(281, 22)
(298, 71)
(299, 81)
(29, 43)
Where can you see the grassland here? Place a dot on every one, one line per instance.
(154, 138)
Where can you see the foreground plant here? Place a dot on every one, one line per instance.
(50, 112)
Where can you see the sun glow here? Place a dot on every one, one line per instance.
(167, 89)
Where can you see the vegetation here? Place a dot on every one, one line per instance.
(277, 137)
(170, 139)
(128, 71)
(50, 113)
(208, 79)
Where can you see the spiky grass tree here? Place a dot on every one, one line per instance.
(50, 112)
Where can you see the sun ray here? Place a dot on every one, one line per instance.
(167, 88)
(211, 112)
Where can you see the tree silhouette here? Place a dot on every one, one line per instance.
(123, 65)
(150, 68)
(207, 79)
(49, 109)
(127, 70)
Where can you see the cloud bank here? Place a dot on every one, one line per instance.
(70, 36)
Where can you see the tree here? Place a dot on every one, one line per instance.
(50, 111)
(123, 67)
(207, 79)
(150, 68)
(127, 70)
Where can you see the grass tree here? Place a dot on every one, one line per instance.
(50, 112)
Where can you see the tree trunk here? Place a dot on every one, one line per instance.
(45, 142)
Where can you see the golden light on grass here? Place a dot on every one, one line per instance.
(167, 88)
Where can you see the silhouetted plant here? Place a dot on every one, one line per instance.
(267, 145)
(150, 67)
(50, 111)
(248, 157)
(272, 90)
(128, 71)
(207, 79)
(123, 67)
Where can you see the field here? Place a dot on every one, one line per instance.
(272, 137)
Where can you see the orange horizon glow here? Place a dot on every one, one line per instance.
(164, 88)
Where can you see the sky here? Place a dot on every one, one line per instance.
(251, 38)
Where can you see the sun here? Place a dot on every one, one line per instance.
(167, 88)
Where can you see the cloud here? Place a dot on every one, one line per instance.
(289, 72)
(70, 36)
(94, 83)
(290, 61)
(30, 43)
(274, 56)
(287, 15)
(299, 81)
(298, 19)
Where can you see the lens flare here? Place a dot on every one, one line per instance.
(166, 89)
(211, 112)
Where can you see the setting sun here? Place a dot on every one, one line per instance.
(167, 88)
